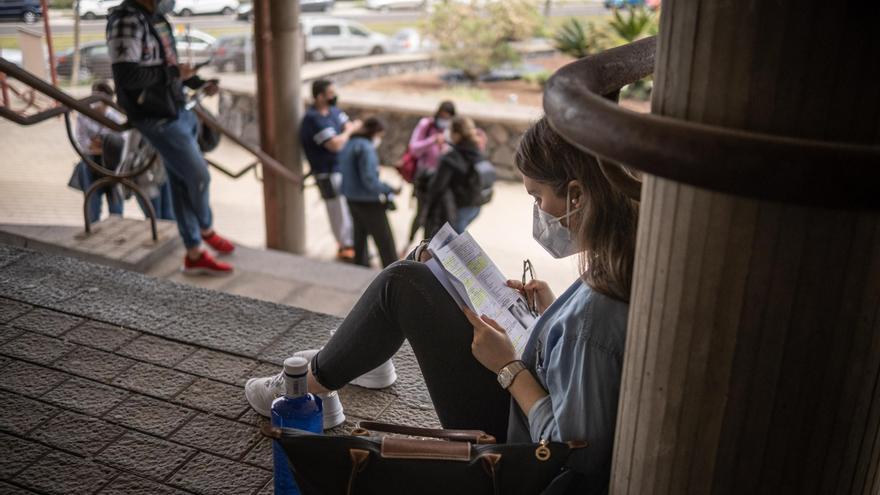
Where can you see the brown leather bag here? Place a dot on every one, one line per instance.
(436, 462)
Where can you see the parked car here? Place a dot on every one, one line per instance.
(186, 8)
(331, 37)
(23, 10)
(12, 55)
(230, 53)
(409, 40)
(93, 9)
(621, 4)
(94, 61)
(193, 46)
(386, 5)
(246, 9)
(316, 5)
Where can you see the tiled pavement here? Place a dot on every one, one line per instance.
(116, 383)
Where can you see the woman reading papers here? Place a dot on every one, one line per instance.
(566, 384)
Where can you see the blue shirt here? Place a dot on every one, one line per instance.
(576, 353)
(315, 131)
(360, 171)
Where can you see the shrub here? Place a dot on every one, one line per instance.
(578, 40)
(475, 37)
(539, 78)
(638, 23)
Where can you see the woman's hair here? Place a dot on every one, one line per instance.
(447, 107)
(371, 127)
(465, 128)
(102, 86)
(605, 227)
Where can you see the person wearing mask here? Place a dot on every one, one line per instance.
(453, 194)
(367, 196)
(149, 86)
(566, 385)
(324, 132)
(427, 144)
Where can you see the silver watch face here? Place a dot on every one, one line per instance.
(504, 377)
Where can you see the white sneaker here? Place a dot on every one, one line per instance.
(333, 414)
(260, 392)
(382, 377)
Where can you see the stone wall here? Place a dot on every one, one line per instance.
(503, 124)
(238, 111)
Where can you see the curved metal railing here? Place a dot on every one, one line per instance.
(745, 163)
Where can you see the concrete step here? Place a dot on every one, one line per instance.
(268, 275)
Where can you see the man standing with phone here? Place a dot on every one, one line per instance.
(149, 86)
(324, 132)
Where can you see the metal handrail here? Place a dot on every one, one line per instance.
(745, 163)
(110, 177)
(83, 106)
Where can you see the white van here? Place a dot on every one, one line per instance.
(331, 37)
(93, 9)
(186, 8)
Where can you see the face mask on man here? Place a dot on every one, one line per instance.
(165, 6)
(551, 234)
(333, 101)
(442, 124)
(377, 142)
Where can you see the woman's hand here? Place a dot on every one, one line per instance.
(536, 292)
(491, 346)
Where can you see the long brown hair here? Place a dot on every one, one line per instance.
(605, 226)
(465, 128)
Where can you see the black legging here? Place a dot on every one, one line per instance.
(369, 219)
(406, 301)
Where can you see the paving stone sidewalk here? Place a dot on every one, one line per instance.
(112, 382)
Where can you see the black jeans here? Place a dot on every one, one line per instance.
(369, 219)
(406, 301)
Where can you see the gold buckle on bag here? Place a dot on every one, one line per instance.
(542, 453)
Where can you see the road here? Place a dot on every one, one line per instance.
(64, 24)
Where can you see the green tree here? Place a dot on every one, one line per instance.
(475, 37)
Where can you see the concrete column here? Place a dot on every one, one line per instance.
(278, 44)
(753, 353)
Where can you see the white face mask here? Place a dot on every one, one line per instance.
(442, 123)
(551, 234)
(377, 142)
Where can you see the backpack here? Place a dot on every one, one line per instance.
(483, 180)
(408, 165)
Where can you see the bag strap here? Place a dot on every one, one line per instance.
(473, 436)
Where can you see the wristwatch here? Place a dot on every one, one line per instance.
(509, 372)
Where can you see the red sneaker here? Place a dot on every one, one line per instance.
(345, 254)
(205, 265)
(220, 244)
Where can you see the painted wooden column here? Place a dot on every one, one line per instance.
(753, 353)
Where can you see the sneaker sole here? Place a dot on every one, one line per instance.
(204, 271)
(376, 382)
(333, 421)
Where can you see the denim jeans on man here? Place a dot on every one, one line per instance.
(175, 140)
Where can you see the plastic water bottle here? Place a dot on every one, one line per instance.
(296, 409)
